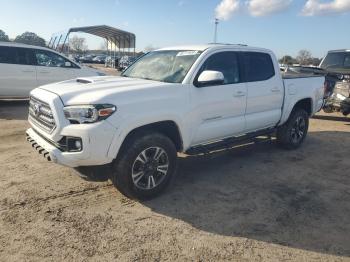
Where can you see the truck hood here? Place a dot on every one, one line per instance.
(97, 89)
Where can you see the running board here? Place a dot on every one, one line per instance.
(231, 142)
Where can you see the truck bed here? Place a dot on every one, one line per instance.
(301, 75)
(293, 72)
(299, 86)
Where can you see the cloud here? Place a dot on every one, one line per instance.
(226, 9)
(315, 7)
(267, 7)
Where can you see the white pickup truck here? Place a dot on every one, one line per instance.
(192, 99)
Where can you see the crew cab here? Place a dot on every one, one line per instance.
(190, 99)
(25, 67)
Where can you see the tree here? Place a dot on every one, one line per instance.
(4, 37)
(304, 57)
(78, 44)
(316, 61)
(30, 38)
(287, 60)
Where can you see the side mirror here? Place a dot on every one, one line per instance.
(210, 78)
(67, 64)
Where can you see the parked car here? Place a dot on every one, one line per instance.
(25, 67)
(192, 99)
(125, 61)
(100, 59)
(112, 61)
(87, 59)
(337, 65)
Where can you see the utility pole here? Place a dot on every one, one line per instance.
(216, 30)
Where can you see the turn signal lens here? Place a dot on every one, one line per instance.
(106, 111)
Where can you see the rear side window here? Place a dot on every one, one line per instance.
(16, 55)
(258, 66)
(226, 63)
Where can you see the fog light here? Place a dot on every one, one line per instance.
(78, 144)
(74, 144)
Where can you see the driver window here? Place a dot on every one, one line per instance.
(226, 63)
(45, 58)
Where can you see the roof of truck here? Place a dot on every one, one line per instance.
(213, 46)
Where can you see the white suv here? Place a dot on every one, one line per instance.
(25, 67)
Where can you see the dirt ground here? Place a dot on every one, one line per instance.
(256, 203)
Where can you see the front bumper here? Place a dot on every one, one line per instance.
(96, 140)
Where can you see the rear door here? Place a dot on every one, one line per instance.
(52, 67)
(219, 109)
(17, 72)
(265, 91)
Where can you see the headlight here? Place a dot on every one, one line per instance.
(88, 113)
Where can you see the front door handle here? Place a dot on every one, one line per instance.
(275, 90)
(27, 71)
(239, 94)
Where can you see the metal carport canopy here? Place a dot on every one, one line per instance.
(120, 38)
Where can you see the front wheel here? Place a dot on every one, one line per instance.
(146, 165)
(292, 134)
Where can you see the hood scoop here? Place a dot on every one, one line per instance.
(90, 80)
(85, 80)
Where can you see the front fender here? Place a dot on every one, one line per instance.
(128, 126)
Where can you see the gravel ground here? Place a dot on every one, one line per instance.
(252, 203)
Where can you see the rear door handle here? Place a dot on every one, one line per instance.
(239, 94)
(275, 90)
(44, 72)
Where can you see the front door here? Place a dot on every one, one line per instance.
(52, 67)
(219, 109)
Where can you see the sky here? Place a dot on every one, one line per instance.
(284, 26)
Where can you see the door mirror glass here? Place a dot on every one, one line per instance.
(210, 78)
(67, 64)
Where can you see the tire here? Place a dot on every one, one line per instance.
(292, 134)
(145, 165)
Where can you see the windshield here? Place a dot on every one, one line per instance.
(336, 60)
(169, 66)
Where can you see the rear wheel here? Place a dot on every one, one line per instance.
(146, 165)
(292, 134)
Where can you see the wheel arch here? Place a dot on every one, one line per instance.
(168, 128)
(306, 104)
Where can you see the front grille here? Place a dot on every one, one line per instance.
(41, 115)
(342, 88)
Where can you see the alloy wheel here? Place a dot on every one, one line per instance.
(150, 168)
(298, 130)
